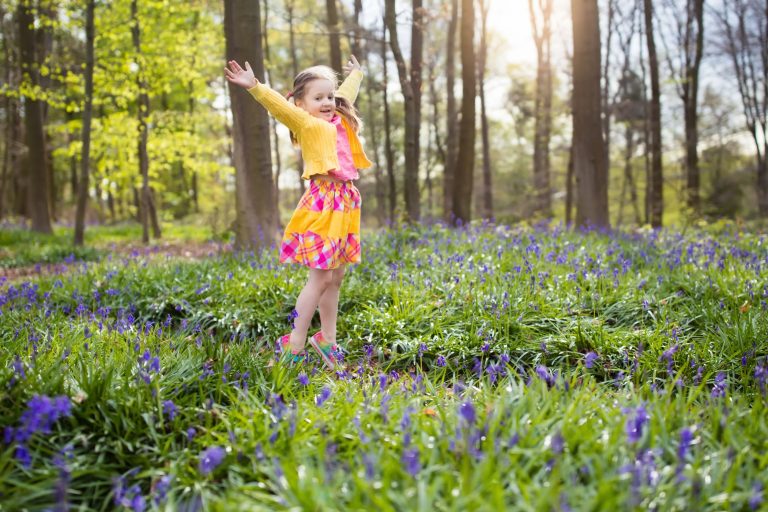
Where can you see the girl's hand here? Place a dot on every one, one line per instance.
(240, 76)
(351, 65)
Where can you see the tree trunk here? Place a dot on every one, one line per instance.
(295, 67)
(465, 161)
(38, 201)
(542, 36)
(272, 121)
(569, 188)
(257, 217)
(487, 188)
(388, 149)
(691, 100)
(333, 34)
(656, 184)
(147, 209)
(82, 191)
(451, 118)
(410, 90)
(588, 145)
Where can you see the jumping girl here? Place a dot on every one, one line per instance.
(324, 231)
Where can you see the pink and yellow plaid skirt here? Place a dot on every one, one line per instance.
(324, 231)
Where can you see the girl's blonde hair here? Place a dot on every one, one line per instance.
(343, 106)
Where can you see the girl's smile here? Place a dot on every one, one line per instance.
(319, 99)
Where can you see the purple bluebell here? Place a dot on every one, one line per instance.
(467, 412)
(303, 379)
(411, 462)
(686, 438)
(721, 382)
(636, 421)
(441, 361)
(170, 410)
(324, 395)
(756, 498)
(589, 359)
(210, 458)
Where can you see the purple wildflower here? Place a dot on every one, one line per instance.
(324, 395)
(467, 412)
(686, 438)
(756, 499)
(210, 459)
(170, 409)
(721, 382)
(441, 361)
(635, 423)
(545, 375)
(411, 461)
(589, 359)
(303, 379)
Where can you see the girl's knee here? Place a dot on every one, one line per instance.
(322, 278)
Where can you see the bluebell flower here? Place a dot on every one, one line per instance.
(303, 379)
(441, 361)
(324, 395)
(411, 462)
(589, 359)
(210, 459)
(170, 409)
(467, 412)
(636, 421)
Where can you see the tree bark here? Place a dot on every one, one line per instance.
(411, 92)
(257, 217)
(82, 190)
(588, 145)
(148, 211)
(465, 161)
(38, 200)
(388, 149)
(451, 117)
(695, 12)
(334, 40)
(487, 208)
(289, 5)
(656, 184)
(542, 36)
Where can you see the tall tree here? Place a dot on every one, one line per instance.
(588, 145)
(257, 218)
(465, 160)
(656, 182)
(487, 206)
(389, 151)
(541, 22)
(744, 26)
(148, 212)
(451, 118)
(38, 200)
(687, 20)
(289, 6)
(82, 191)
(332, 17)
(410, 84)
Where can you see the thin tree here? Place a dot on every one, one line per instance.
(148, 212)
(410, 84)
(38, 200)
(85, 156)
(257, 219)
(541, 23)
(688, 30)
(744, 26)
(465, 161)
(332, 17)
(588, 146)
(289, 6)
(487, 206)
(451, 117)
(389, 151)
(272, 120)
(656, 181)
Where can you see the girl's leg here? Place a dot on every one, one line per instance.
(329, 305)
(306, 304)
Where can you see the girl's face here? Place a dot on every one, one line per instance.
(318, 99)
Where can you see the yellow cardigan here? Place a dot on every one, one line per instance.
(316, 137)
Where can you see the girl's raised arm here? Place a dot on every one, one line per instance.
(351, 85)
(283, 110)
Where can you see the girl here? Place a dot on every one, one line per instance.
(324, 231)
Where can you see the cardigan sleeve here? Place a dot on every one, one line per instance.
(350, 86)
(283, 110)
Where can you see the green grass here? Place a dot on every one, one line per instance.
(20, 247)
(676, 322)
